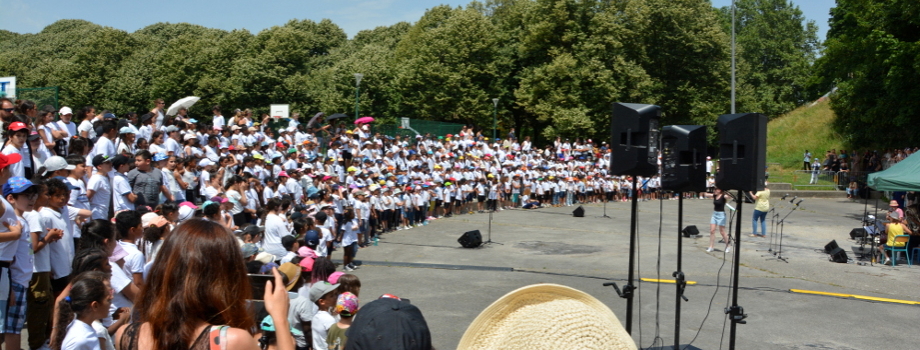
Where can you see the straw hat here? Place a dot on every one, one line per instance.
(546, 316)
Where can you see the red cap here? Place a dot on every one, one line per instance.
(279, 145)
(231, 148)
(16, 126)
(7, 159)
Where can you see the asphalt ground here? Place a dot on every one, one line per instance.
(452, 285)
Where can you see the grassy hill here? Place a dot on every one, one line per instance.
(806, 128)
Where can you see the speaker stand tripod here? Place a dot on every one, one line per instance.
(489, 241)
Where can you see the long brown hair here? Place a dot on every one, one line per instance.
(198, 275)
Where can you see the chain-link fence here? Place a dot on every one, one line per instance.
(42, 96)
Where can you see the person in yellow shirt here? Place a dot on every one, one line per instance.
(761, 207)
(895, 228)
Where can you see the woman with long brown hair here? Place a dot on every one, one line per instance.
(198, 286)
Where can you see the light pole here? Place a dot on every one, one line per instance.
(733, 56)
(494, 117)
(358, 77)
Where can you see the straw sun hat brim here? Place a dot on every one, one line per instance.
(546, 316)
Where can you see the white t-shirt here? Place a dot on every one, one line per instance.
(87, 125)
(134, 262)
(16, 169)
(121, 187)
(320, 324)
(41, 261)
(80, 336)
(119, 281)
(325, 235)
(21, 268)
(7, 249)
(60, 252)
(275, 228)
(100, 200)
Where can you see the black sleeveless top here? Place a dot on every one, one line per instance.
(719, 203)
(132, 331)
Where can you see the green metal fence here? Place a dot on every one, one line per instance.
(411, 127)
(42, 96)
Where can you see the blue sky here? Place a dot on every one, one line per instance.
(30, 16)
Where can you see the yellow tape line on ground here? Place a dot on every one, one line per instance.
(653, 280)
(863, 297)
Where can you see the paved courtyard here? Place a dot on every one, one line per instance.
(452, 285)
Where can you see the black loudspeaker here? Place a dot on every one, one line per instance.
(858, 232)
(634, 139)
(683, 158)
(579, 212)
(742, 151)
(838, 255)
(471, 239)
(828, 248)
(690, 231)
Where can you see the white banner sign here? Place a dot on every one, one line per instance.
(8, 87)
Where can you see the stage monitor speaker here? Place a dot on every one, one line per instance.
(471, 239)
(838, 255)
(828, 248)
(634, 139)
(858, 232)
(742, 151)
(690, 231)
(579, 212)
(683, 158)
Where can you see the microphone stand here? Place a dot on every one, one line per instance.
(605, 208)
(782, 226)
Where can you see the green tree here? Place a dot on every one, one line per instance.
(446, 66)
(778, 48)
(871, 55)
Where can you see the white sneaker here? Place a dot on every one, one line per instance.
(349, 268)
(728, 249)
(709, 249)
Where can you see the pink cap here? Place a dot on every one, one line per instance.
(334, 277)
(283, 173)
(188, 204)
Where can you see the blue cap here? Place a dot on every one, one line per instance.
(16, 184)
(109, 116)
(160, 156)
(193, 121)
(69, 185)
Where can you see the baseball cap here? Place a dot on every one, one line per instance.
(16, 126)
(319, 289)
(16, 184)
(205, 162)
(186, 212)
(34, 136)
(189, 137)
(66, 110)
(171, 128)
(389, 323)
(249, 249)
(120, 160)
(160, 156)
(146, 117)
(56, 163)
(126, 130)
(346, 304)
(109, 116)
(99, 159)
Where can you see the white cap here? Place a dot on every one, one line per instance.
(205, 162)
(189, 136)
(65, 110)
(56, 163)
(126, 130)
